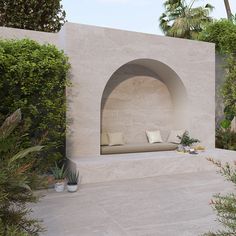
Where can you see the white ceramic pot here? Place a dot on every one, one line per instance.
(72, 188)
(59, 186)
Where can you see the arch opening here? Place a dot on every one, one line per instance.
(142, 95)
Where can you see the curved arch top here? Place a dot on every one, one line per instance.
(153, 68)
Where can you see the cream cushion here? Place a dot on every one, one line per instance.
(154, 136)
(116, 139)
(104, 139)
(173, 137)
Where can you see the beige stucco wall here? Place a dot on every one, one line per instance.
(96, 53)
(41, 37)
(138, 104)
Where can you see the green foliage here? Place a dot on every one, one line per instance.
(182, 20)
(229, 89)
(225, 124)
(43, 15)
(34, 77)
(229, 94)
(11, 231)
(16, 182)
(225, 139)
(225, 205)
(58, 172)
(222, 33)
(72, 177)
(186, 140)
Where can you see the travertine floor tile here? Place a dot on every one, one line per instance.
(175, 205)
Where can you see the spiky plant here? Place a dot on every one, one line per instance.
(59, 173)
(72, 177)
(15, 182)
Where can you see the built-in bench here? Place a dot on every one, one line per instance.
(134, 148)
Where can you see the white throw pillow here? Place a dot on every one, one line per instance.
(116, 139)
(104, 139)
(173, 137)
(154, 136)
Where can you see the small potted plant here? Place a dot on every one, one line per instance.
(186, 141)
(59, 176)
(72, 180)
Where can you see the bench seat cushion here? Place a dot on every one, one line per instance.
(141, 147)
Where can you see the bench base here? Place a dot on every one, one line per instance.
(140, 165)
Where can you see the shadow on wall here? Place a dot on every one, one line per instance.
(143, 95)
(220, 79)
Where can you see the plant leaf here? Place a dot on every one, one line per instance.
(24, 153)
(10, 123)
(225, 124)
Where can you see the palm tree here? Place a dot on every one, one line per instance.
(182, 20)
(228, 10)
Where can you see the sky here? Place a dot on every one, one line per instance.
(133, 15)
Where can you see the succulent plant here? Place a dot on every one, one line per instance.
(186, 140)
(58, 173)
(72, 177)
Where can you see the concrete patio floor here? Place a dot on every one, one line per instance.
(173, 205)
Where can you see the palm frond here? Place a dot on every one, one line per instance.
(24, 153)
(183, 20)
(9, 124)
(209, 6)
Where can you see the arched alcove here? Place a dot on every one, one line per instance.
(141, 95)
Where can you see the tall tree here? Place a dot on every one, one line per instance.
(181, 19)
(228, 10)
(41, 15)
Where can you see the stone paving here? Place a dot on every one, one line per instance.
(172, 205)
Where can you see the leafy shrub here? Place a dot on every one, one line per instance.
(59, 173)
(186, 140)
(229, 90)
(225, 205)
(34, 77)
(44, 15)
(223, 34)
(225, 139)
(72, 177)
(15, 182)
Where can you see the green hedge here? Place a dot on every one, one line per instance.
(223, 34)
(34, 78)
